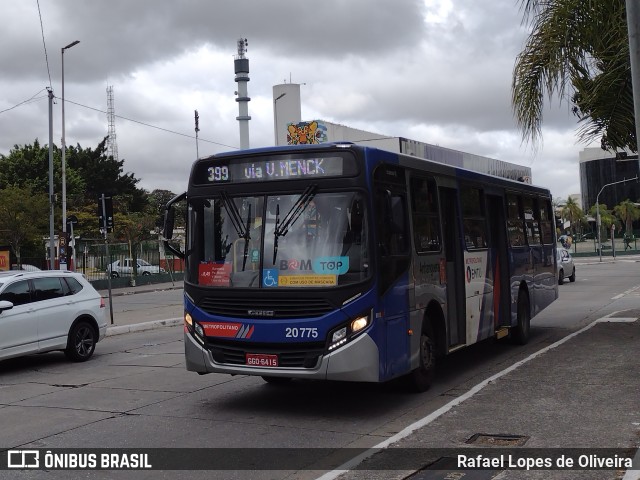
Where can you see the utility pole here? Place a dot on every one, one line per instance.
(633, 17)
(52, 248)
(106, 247)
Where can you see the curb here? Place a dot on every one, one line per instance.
(139, 327)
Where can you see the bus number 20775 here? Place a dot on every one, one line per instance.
(303, 332)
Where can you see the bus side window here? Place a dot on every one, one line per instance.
(515, 221)
(532, 224)
(393, 239)
(424, 210)
(392, 225)
(474, 222)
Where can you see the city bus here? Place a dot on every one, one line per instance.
(343, 262)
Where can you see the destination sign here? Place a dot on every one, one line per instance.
(271, 169)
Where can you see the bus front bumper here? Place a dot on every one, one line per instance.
(357, 361)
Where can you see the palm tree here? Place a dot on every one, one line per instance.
(606, 219)
(578, 50)
(627, 212)
(572, 212)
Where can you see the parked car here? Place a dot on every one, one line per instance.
(566, 267)
(125, 268)
(49, 310)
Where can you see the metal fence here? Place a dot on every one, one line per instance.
(92, 261)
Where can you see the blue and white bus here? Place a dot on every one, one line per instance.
(343, 262)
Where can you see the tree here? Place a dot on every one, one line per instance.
(103, 174)
(572, 212)
(583, 47)
(88, 173)
(135, 229)
(627, 212)
(157, 201)
(606, 219)
(28, 166)
(23, 217)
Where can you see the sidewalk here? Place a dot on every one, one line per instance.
(576, 397)
(132, 321)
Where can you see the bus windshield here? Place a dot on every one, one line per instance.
(308, 239)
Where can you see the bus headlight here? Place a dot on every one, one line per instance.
(198, 329)
(346, 333)
(359, 323)
(194, 327)
(338, 338)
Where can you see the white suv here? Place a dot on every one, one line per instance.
(49, 310)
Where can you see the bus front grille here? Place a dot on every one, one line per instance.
(295, 356)
(266, 307)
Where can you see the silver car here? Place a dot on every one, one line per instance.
(125, 268)
(566, 267)
(49, 310)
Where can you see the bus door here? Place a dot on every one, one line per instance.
(476, 265)
(394, 258)
(500, 260)
(532, 230)
(456, 314)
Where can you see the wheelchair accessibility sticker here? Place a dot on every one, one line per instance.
(270, 277)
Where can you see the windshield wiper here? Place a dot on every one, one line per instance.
(246, 237)
(281, 229)
(242, 230)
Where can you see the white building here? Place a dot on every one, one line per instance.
(290, 129)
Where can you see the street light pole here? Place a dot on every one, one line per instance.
(52, 248)
(64, 147)
(598, 208)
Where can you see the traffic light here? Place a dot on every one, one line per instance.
(63, 248)
(108, 213)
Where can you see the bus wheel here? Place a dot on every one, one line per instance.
(276, 380)
(421, 378)
(521, 331)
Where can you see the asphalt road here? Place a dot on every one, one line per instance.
(135, 392)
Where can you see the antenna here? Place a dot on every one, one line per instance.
(197, 120)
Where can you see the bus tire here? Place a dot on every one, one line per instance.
(521, 332)
(420, 379)
(276, 380)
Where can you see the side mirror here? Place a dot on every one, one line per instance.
(169, 222)
(5, 305)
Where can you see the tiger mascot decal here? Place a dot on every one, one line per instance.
(302, 133)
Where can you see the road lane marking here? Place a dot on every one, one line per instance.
(627, 292)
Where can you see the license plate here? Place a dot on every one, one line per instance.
(262, 360)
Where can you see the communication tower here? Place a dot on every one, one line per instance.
(112, 145)
(241, 64)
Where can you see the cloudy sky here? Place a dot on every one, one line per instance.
(437, 71)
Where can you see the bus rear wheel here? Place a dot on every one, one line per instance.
(421, 378)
